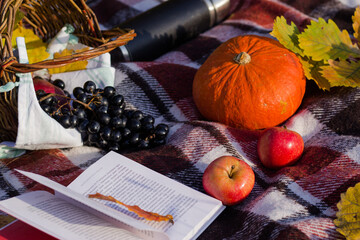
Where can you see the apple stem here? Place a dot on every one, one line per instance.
(231, 171)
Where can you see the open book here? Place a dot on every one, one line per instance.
(70, 214)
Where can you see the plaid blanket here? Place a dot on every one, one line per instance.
(296, 202)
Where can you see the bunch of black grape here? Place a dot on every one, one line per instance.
(101, 118)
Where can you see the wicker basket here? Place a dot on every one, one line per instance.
(47, 17)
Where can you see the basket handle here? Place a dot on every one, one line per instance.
(13, 66)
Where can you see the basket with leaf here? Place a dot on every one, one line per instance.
(45, 18)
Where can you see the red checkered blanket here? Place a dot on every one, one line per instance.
(296, 202)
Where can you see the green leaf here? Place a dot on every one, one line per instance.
(342, 73)
(356, 23)
(323, 41)
(286, 34)
(312, 72)
(348, 214)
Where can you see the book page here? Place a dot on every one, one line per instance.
(135, 184)
(61, 219)
(109, 214)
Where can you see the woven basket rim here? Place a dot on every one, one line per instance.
(86, 28)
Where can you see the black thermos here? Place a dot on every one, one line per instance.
(167, 25)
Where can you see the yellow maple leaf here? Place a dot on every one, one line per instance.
(78, 65)
(36, 48)
(348, 214)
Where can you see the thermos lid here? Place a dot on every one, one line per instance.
(218, 9)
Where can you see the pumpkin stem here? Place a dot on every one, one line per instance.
(242, 58)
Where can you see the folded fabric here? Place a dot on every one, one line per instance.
(36, 129)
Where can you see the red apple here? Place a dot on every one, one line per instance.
(278, 147)
(228, 179)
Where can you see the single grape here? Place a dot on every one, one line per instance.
(115, 110)
(83, 125)
(64, 120)
(74, 121)
(143, 144)
(45, 107)
(77, 91)
(93, 138)
(82, 97)
(161, 131)
(84, 137)
(124, 122)
(163, 126)
(125, 132)
(105, 133)
(116, 136)
(117, 100)
(113, 147)
(102, 109)
(102, 143)
(59, 83)
(67, 94)
(65, 111)
(49, 100)
(134, 139)
(109, 91)
(54, 111)
(147, 127)
(89, 86)
(116, 122)
(40, 93)
(104, 101)
(80, 113)
(137, 115)
(104, 118)
(93, 127)
(134, 124)
(148, 120)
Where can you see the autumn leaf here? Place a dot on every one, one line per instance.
(348, 214)
(136, 209)
(327, 54)
(36, 48)
(342, 72)
(78, 65)
(323, 40)
(356, 23)
(312, 72)
(287, 35)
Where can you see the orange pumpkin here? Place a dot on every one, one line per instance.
(249, 82)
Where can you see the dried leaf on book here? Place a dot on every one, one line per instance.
(136, 209)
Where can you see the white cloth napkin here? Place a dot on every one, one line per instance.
(36, 129)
